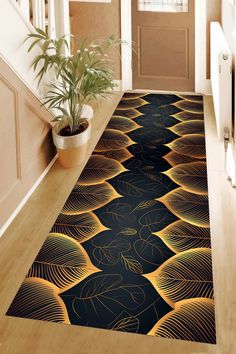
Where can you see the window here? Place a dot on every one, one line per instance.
(163, 5)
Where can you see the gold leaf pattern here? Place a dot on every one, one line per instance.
(129, 231)
(132, 264)
(98, 169)
(145, 204)
(189, 207)
(192, 145)
(175, 159)
(109, 252)
(131, 103)
(188, 127)
(192, 320)
(192, 176)
(187, 116)
(127, 323)
(110, 286)
(81, 227)
(88, 198)
(62, 261)
(181, 236)
(122, 124)
(189, 106)
(113, 140)
(186, 275)
(133, 95)
(128, 113)
(118, 155)
(42, 296)
(192, 98)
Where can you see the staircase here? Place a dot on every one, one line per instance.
(17, 19)
(26, 146)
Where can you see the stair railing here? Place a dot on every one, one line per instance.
(50, 15)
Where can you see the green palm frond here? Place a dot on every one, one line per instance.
(78, 78)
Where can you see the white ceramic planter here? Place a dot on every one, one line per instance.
(71, 149)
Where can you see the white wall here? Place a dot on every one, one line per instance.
(228, 21)
(229, 27)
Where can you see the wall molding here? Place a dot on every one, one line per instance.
(26, 141)
(27, 196)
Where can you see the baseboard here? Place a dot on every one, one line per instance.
(27, 196)
(206, 88)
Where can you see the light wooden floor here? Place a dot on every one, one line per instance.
(23, 239)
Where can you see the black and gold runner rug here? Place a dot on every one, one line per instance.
(131, 249)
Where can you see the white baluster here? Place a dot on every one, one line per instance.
(39, 13)
(25, 7)
(62, 17)
(43, 14)
(51, 19)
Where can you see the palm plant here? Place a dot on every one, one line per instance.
(78, 78)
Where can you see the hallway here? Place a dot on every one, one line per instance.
(132, 249)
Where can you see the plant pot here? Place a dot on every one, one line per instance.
(71, 149)
(87, 112)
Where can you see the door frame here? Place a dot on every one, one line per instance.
(202, 85)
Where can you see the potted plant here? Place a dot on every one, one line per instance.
(77, 79)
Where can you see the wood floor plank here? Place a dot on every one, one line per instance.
(34, 337)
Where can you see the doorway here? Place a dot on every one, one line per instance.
(202, 85)
(163, 32)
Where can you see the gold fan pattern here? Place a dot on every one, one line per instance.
(98, 169)
(192, 176)
(62, 261)
(186, 275)
(131, 250)
(45, 303)
(190, 320)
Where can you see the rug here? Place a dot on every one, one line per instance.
(131, 249)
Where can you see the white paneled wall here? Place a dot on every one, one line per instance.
(25, 122)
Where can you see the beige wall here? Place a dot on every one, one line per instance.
(25, 142)
(95, 21)
(213, 13)
(107, 21)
